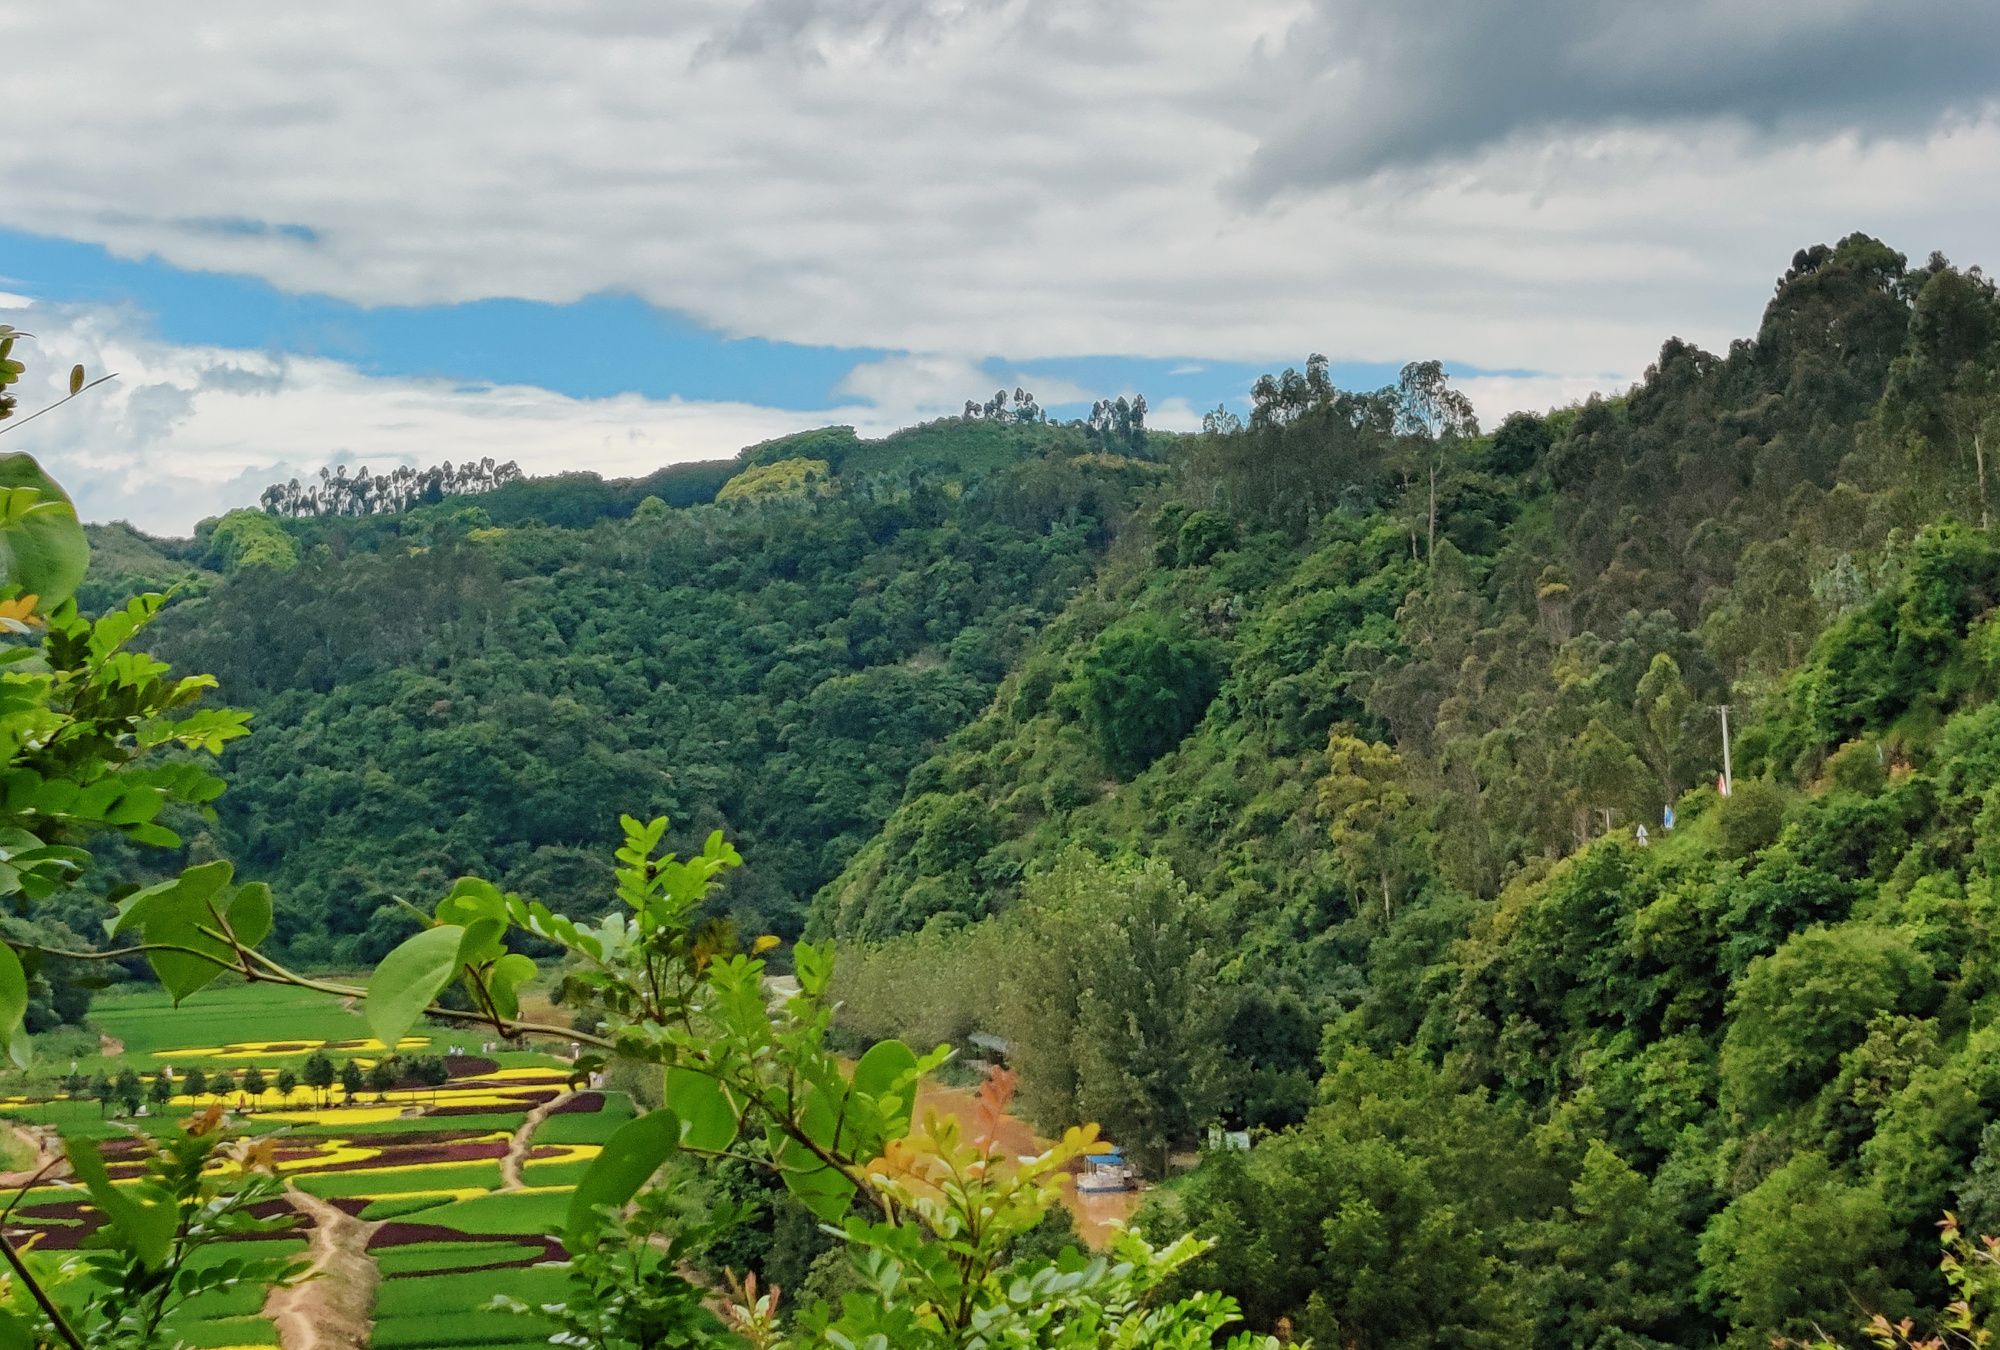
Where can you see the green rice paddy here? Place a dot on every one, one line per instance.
(420, 1168)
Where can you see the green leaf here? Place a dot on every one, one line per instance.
(826, 1191)
(889, 1069)
(470, 900)
(13, 1001)
(75, 380)
(174, 913)
(888, 1066)
(148, 1229)
(250, 913)
(504, 981)
(708, 1122)
(632, 1154)
(813, 966)
(482, 942)
(408, 979)
(14, 1333)
(43, 552)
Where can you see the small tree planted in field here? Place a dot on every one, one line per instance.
(319, 1074)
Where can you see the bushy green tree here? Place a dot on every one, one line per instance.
(1142, 686)
(1112, 1007)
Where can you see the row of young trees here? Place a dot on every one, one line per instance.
(316, 1072)
(362, 493)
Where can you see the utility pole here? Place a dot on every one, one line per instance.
(1728, 778)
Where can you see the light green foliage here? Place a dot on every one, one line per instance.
(778, 480)
(1370, 815)
(1750, 818)
(1111, 1004)
(84, 722)
(1799, 1251)
(1796, 1011)
(249, 539)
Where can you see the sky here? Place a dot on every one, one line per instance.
(625, 233)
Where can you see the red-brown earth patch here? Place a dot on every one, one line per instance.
(412, 1155)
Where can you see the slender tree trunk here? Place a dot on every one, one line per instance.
(1431, 556)
(1979, 459)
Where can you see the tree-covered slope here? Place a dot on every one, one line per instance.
(483, 684)
(1390, 699)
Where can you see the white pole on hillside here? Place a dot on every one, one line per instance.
(1728, 778)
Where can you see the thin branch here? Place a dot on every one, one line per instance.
(268, 971)
(48, 1305)
(30, 1184)
(17, 423)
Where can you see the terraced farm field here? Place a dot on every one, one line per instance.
(408, 1198)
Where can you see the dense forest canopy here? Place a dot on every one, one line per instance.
(1288, 776)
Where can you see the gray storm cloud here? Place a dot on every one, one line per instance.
(1357, 87)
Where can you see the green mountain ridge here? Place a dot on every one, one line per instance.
(1283, 777)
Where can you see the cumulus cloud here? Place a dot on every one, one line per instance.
(1021, 177)
(921, 386)
(1357, 87)
(1494, 396)
(186, 432)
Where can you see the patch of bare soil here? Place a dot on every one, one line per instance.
(333, 1310)
(109, 1046)
(523, 1140)
(46, 1146)
(1094, 1214)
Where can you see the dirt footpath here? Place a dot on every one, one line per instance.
(333, 1310)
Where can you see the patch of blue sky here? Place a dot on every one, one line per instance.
(596, 347)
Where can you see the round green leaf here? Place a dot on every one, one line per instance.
(44, 553)
(174, 913)
(250, 913)
(888, 1070)
(708, 1122)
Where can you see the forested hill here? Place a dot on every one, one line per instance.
(480, 685)
(1317, 809)
(1285, 776)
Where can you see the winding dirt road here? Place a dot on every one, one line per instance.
(524, 1138)
(334, 1309)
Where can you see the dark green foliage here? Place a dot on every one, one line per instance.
(1710, 1090)
(1519, 444)
(487, 701)
(1749, 819)
(1142, 687)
